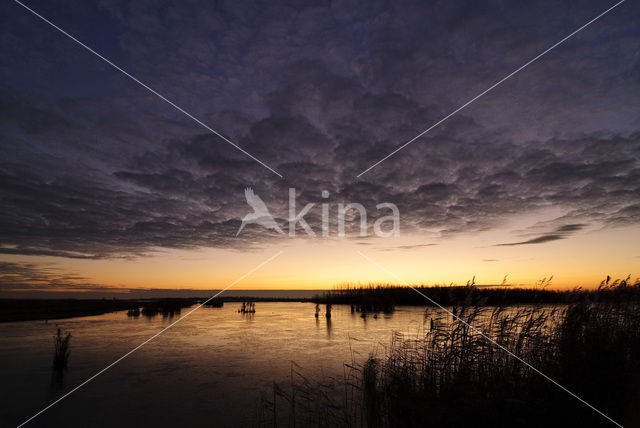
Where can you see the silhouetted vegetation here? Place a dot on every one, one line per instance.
(62, 343)
(165, 307)
(217, 302)
(451, 375)
(247, 308)
(49, 309)
(375, 298)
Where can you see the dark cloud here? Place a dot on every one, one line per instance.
(537, 240)
(407, 247)
(28, 276)
(93, 166)
(560, 233)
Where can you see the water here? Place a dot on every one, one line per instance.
(209, 369)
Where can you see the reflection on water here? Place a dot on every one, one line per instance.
(208, 369)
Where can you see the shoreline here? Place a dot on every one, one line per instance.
(14, 310)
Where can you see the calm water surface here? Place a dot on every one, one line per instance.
(207, 370)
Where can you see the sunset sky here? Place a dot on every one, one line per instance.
(106, 186)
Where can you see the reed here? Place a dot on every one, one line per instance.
(383, 297)
(248, 307)
(62, 345)
(451, 375)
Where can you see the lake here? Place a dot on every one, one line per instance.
(209, 369)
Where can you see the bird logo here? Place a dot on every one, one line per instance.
(260, 214)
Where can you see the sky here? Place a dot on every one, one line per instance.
(106, 186)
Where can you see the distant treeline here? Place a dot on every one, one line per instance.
(382, 297)
(50, 309)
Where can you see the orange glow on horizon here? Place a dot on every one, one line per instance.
(581, 260)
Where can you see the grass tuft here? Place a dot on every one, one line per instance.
(62, 344)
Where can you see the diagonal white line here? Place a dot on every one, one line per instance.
(491, 87)
(150, 339)
(488, 338)
(153, 91)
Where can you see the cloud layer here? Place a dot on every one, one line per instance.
(93, 166)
